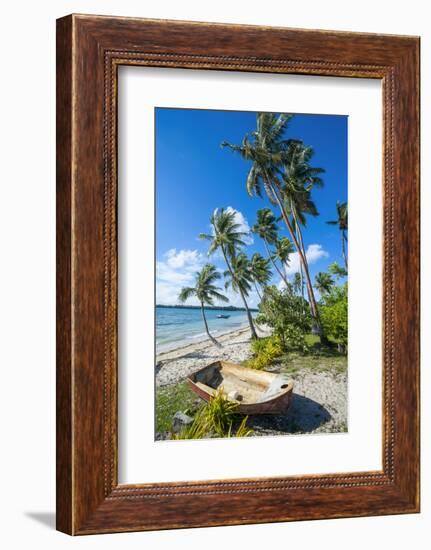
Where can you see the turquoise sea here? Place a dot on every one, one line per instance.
(176, 327)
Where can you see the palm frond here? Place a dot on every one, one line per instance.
(186, 293)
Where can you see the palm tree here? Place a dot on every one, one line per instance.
(267, 229)
(324, 283)
(341, 221)
(283, 249)
(297, 283)
(227, 236)
(260, 271)
(267, 151)
(298, 179)
(337, 270)
(205, 291)
(239, 276)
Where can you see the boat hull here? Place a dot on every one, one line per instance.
(255, 392)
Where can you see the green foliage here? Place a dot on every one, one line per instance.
(226, 235)
(204, 289)
(342, 216)
(260, 270)
(266, 225)
(324, 283)
(283, 249)
(336, 270)
(287, 315)
(169, 400)
(216, 418)
(239, 276)
(334, 315)
(265, 351)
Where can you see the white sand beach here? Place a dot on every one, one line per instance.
(179, 363)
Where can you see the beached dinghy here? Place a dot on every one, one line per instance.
(256, 392)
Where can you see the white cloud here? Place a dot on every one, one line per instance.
(182, 258)
(176, 270)
(314, 253)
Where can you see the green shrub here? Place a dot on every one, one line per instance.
(265, 350)
(334, 315)
(215, 419)
(287, 314)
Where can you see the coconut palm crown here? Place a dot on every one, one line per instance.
(260, 271)
(205, 291)
(267, 229)
(283, 249)
(323, 283)
(266, 148)
(240, 276)
(266, 225)
(227, 236)
(226, 233)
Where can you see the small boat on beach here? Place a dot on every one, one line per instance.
(223, 316)
(255, 391)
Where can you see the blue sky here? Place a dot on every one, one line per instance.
(194, 176)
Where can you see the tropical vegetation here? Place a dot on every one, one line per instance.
(228, 237)
(206, 292)
(217, 418)
(282, 169)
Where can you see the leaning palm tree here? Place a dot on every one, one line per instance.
(323, 283)
(227, 236)
(267, 150)
(205, 291)
(267, 229)
(260, 272)
(342, 223)
(283, 249)
(239, 276)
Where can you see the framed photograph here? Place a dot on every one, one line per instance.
(237, 274)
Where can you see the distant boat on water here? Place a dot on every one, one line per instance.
(223, 316)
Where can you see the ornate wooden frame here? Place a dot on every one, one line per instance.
(89, 51)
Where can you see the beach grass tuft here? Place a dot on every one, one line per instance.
(217, 418)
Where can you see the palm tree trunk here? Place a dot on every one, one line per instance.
(301, 274)
(312, 300)
(274, 264)
(249, 317)
(343, 239)
(323, 337)
(213, 340)
(311, 297)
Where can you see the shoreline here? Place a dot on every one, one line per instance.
(176, 365)
(180, 349)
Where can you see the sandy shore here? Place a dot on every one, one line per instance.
(175, 365)
(320, 389)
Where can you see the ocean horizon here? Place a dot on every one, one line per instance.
(176, 327)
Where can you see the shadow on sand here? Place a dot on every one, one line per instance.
(304, 416)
